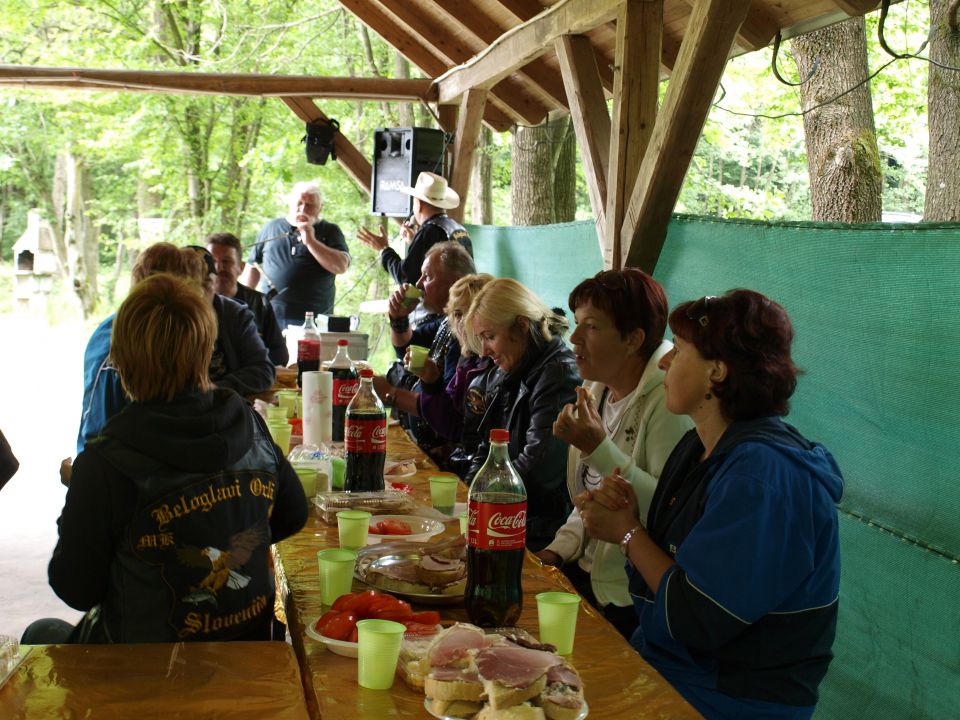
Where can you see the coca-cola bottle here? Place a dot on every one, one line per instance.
(345, 386)
(365, 437)
(308, 348)
(496, 538)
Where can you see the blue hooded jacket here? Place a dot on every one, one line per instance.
(745, 619)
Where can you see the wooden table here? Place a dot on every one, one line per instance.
(193, 681)
(617, 681)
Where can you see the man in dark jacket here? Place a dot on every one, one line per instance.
(430, 225)
(171, 511)
(227, 253)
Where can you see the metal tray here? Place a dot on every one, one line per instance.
(393, 553)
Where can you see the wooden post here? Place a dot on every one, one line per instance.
(635, 84)
(465, 146)
(591, 123)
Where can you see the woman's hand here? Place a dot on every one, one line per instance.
(579, 425)
(609, 511)
(382, 387)
(429, 373)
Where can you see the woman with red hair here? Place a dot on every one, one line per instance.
(736, 574)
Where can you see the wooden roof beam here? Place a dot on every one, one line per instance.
(465, 146)
(498, 114)
(591, 123)
(636, 85)
(711, 33)
(523, 43)
(241, 84)
(354, 162)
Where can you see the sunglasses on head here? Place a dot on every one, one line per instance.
(612, 280)
(699, 310)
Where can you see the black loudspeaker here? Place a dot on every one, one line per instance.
(399, 156)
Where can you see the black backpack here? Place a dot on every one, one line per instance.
(319, 140)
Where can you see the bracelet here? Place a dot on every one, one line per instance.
(628, 536)
(400, 324)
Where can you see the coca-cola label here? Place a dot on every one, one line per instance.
(344, 390)
(308, 350)
(361, 435)
(497, 526)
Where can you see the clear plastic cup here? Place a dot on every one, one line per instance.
(557, 614)
(418, 356)
(353, 526)
(443, 493)
(336, 573)
(377, 653)
(339, 470)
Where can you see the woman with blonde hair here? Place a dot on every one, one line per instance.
(535, 376)
(166, 529)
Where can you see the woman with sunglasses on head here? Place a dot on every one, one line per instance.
(736, 575)
(535, 376)
(619, 420)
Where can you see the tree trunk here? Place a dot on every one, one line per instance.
(401, 70)
(564, 169)
(79, 237)
(535, 181)
(481, 191)
(942, 202)
(842, 157)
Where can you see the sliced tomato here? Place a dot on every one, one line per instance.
(342, 626)
(415, 628)
(394, 527)
(353, 635)
(427, 617)
(388, 603)
(356, 602)
(321, 624)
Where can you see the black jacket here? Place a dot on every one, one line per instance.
(526, 401)
(168, 520)
(436, 229)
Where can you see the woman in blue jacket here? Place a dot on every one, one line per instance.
(735, 574)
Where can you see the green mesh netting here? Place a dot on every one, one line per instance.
(875, 308)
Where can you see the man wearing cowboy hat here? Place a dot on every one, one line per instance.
(431, 198)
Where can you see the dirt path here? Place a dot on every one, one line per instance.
(42, 382)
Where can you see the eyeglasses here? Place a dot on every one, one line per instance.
(700, 309)
(612, 280)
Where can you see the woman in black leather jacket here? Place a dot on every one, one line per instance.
(536, 376)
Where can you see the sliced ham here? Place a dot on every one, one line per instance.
(406, 571)
(439, 564)
(449, 674)
(564, 674)
(515, 667)
(452, 644)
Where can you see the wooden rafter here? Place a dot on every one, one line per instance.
(639, 28)
(354, 162)
(216, 84)
(523, 43)
(591, 123)
(465, 146)
(499, 114)
(710, 35)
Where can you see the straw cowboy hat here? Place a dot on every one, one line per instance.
(433, 189)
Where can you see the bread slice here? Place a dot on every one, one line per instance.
(501, 696)
(455, 708)
(514, 712)
(555, 711)
(462, 688)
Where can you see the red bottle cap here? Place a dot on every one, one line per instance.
(368, 373)
(499, 435)
(343, 341)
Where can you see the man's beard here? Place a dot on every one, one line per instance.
(295, 219)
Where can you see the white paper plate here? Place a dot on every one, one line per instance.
(397, 476)
(338, 647)
(584, 711)
(422, 529)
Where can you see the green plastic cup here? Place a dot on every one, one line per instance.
(557, 613)
(418, 356)
(378, 649)
(443, 493)
(276, 412)
(281, 435)
(411, 296)
(288, 401)
(463, 523)
(353, 526)
(308, 478)
(336, 573)
(339, 468)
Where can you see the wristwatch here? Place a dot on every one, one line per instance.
(628, 536)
